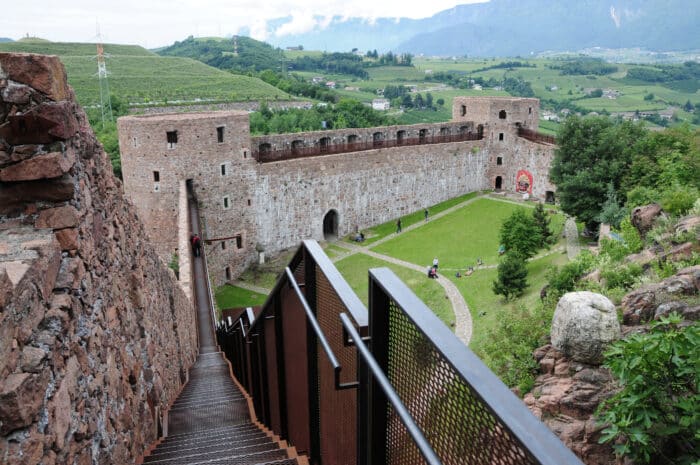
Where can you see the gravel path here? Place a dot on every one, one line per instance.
(251, 287)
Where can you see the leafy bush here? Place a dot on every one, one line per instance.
(655, 417)
(678, 200)
(631, 236)
(564, 280)
(641, 195)
(508, 349)
(621, 276)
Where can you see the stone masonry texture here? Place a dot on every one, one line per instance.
(273, 205)
(96, 335)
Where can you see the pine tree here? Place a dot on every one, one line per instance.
(512, 276)
(542, 219)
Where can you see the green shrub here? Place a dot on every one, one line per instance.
(641, 195)
(564, 280)
(616, 250)
(631, 236)
(655, 417)
(507, 350)
(678, 200)
(622, 277)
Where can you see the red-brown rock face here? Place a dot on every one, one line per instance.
(95, 334)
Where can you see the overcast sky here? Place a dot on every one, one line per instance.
(154, 23)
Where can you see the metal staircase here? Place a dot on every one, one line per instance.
(212, 421)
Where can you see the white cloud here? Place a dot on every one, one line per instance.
(156, 23)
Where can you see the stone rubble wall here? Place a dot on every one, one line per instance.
(96, 335)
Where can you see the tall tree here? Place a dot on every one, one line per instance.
(520, 234)
(542, 221)
(592, 152)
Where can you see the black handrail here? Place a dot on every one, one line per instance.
(319, 334)
(421, 442)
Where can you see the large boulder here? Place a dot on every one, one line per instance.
(584, 324)
(643, 217)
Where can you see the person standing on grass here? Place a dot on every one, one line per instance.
(398, 225)
(426, 213)
(435, 263)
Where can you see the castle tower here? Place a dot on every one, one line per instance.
(515, 163)
(210, 151)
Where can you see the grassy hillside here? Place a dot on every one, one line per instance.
(71, 48)
(240, 54)
(137, 75)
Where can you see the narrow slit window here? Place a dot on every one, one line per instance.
(239, 241)
(220, 134)
(529, 110)
(249, 202)
(223, 245)
(227, 270)
(500, 136)
(156, 176)
(171, 137)
(227, 203)
(223, 169)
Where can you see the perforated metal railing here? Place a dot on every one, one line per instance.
(394, 386)
(466, 413)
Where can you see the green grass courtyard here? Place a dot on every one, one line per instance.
(457, 238)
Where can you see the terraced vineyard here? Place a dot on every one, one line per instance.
(139, 76)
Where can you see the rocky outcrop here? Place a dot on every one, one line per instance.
(643, 218)
(95, 334)
(657, 299)
(584, 324)
(565, 397)
(567, 392)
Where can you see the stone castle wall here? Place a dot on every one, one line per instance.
(275, 204)
(96, 336)
(362, 188)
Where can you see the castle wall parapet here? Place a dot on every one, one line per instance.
(306, 144)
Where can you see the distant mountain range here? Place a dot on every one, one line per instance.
(515, 27)
(6, 39)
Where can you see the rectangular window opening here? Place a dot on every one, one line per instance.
(156, 176)
(529, 110)
(171, 137)
(499, 160)
(223, 169)
(239, 241)
(220, 134)
(249, 202)
(500, 136)
(227, 270)
(223, 245)
(226, 202)
(463, 110)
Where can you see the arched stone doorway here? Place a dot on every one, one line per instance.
(499, 183)
(330, 225)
